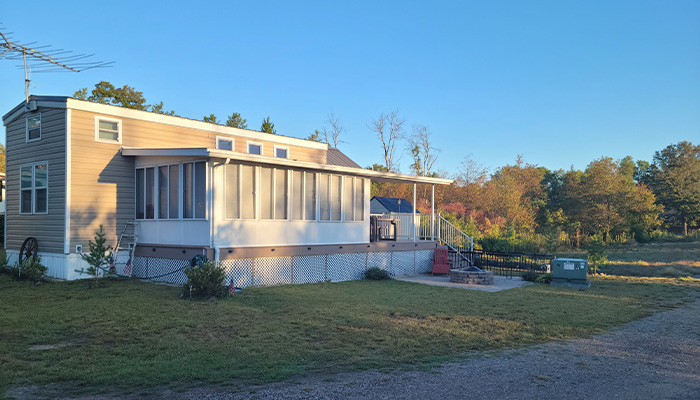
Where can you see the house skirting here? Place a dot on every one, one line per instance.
(261, 266)
(60, 266)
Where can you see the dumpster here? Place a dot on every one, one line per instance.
(571, 272)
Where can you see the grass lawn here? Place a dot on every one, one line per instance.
(658, 259)
(132, 336)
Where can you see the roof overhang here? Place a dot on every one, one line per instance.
(229, 156)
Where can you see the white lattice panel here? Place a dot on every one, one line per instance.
(379, 260)
(423, 261)
(402, 263)
(238, 270)
(270, 271)
(346, 267)
(309, 269)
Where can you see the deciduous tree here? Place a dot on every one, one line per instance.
(389, 130)
(675, 179)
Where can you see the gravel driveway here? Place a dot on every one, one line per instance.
(653, 358)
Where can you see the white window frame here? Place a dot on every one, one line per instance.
(282, 148)
(97, 129)
(228, 139)
(26, 136)
(181, 191)
(33, 188)
(248, 143)
(194, 195)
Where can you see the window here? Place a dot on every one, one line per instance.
(273, 193)
(324, 197)
(297, 195)
(303, 196)
(224, 143)
(108, 130)
(233, 210)
(168, 193)
(240, 191)
(247, 185)
(33, 127)
(158, 191)
(34, 186)
(281, 152)
(336, 188)
(194, 190)
(310, 196)
(348, 197)
(359, 199)
(255, 148)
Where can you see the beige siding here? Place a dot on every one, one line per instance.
(103, 181)
(102, 184)
(48, 229)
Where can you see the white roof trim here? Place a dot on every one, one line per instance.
(256, 159)
(106, 109)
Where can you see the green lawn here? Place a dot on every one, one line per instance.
(131, 335)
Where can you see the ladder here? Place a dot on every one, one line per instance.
(128, 235)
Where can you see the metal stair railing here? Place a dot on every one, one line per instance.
(455, 239)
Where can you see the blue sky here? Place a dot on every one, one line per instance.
(560, 82)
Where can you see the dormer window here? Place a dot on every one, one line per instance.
(254, 148)
(34, 128)
(281, 152)
(224, 143)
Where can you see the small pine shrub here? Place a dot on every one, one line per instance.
(377, 274)
(205, 281)
(544, 278)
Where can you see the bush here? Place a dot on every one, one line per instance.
(31, 269)
(377, 274)
(544, 278)
(530, 276)
(536, 277)
(205, 281)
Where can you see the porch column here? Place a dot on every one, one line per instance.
(413, 221)
(432, 213)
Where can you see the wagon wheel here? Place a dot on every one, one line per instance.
(29, 249)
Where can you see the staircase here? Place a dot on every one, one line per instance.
(126, 244)
(459, 244)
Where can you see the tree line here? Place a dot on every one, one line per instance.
(522, 206)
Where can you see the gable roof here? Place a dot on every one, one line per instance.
(337, 157)
(395, 205)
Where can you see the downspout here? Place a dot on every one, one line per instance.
(212, 242)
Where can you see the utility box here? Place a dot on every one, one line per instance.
(571, 272)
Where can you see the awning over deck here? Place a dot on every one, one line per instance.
(231, 156)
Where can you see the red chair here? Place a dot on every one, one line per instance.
(441, 262)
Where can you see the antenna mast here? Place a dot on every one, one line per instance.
(47, 60)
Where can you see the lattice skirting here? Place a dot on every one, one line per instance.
(269, 271)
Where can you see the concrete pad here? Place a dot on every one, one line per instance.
(499, 282)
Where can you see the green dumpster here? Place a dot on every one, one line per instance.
(571, 272)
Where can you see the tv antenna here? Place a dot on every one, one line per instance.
(44, 59)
